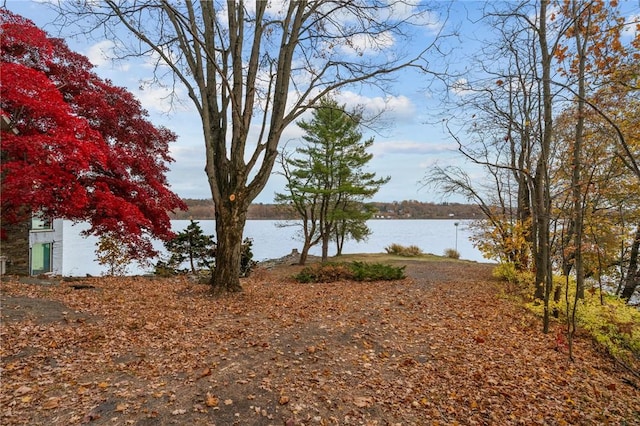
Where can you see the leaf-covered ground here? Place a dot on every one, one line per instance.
(440, 347)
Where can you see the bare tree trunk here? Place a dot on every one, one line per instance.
(326, 236)
(304, 254)
(543, 199)
(576, 176)
(632, 280)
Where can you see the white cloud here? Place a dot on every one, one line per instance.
(100, 54)
(162, 99)
(411, 147)
(631, 27)
(397, 108)
(361, 44)
(461, 87)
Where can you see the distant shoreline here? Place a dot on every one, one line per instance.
(409, 209)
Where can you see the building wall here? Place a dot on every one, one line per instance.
(53, 236)
(15, 247)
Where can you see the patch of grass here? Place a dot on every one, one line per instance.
(354, 271)
(400, 250)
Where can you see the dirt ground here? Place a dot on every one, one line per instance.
(446, 345)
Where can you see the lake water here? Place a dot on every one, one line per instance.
(271, 241)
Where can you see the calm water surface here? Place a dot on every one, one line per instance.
(271, 240)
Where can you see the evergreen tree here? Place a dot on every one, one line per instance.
(191, 245)
(326, 181)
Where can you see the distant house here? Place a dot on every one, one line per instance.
(33, 247)
(45, 246)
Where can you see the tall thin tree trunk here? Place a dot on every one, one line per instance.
(544, 276)
(576, 175)
(304, 254)
(632, 279)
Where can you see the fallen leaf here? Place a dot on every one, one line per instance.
(178, 411)
(121, 407)
(206, 372)
(362, 401)
(211, 400)
(51, 403)
(283, 400)
(22, 390)
(228, 401)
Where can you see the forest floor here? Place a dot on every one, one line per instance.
(446, 345)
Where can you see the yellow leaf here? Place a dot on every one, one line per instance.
(103, 385)
(26, 399)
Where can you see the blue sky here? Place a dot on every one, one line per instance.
(405, 151)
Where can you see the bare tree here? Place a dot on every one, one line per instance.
(512, 136)
(251, 69)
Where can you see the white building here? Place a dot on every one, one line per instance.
(45, 246)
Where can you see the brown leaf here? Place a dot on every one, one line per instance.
(22, 390)
(283, 400)
(362, 401)
(211, 400)
(51, 403)
(206, 372)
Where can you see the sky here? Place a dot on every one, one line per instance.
(411, 142)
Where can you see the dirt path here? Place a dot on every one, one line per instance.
(440, 347)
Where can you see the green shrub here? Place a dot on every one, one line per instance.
(355, 271)
(452, 253)
(614, 325)
(363, 271)
(246, 258)
(324, 273)
(400, 250)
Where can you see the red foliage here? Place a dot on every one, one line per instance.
(78, 147)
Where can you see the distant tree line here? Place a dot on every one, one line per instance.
(408, 209)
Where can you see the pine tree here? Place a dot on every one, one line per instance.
(327, 183)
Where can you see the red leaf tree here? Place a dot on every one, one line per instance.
(76, 147)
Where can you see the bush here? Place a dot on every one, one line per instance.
(355, 271)
(363, 271)
(246, 258)
(506, 272)
(400, 250)
(452, 253)
(324, 273)
(614, 324)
